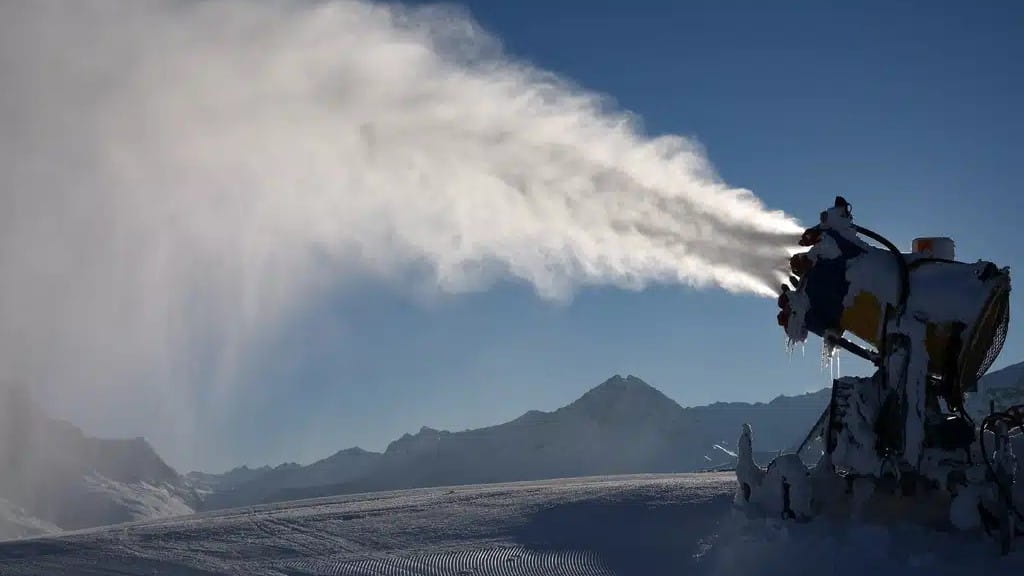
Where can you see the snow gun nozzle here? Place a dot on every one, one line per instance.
(811, 236)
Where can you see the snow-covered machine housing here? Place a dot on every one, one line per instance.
(901, 439)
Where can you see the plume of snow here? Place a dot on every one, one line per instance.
(174, 175)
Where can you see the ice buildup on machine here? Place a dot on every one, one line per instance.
(898, 443)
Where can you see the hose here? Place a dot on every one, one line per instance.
(904, 270)
(1013, 417)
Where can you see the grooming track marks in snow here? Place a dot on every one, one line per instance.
(643, 525)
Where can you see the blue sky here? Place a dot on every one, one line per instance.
(910, 110)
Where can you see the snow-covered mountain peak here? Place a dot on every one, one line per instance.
(62, 477)
(628, 397)
(617, 387)
(620, 383)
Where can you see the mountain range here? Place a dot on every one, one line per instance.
(622, 426)
(58, 478)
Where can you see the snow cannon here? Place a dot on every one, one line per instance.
(844, 285)
(900, 444)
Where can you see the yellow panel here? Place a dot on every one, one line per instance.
(864, 318)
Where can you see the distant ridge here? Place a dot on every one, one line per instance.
(621, 426)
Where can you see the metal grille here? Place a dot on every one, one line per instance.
(988, 338)
(1000, 310)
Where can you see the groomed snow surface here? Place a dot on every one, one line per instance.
(645, 525)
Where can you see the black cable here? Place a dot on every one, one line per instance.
(904, 270)
(1014, 417)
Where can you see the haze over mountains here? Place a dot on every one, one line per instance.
(57, 478)
(622, 426)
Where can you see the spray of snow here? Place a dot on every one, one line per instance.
(176, 175)
(727, 452)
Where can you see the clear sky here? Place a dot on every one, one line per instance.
(912, 111)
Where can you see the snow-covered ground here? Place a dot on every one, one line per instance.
(645, 525)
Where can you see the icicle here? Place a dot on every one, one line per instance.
(792, 343)
(829, 358)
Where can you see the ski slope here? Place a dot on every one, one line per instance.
(645, 525)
